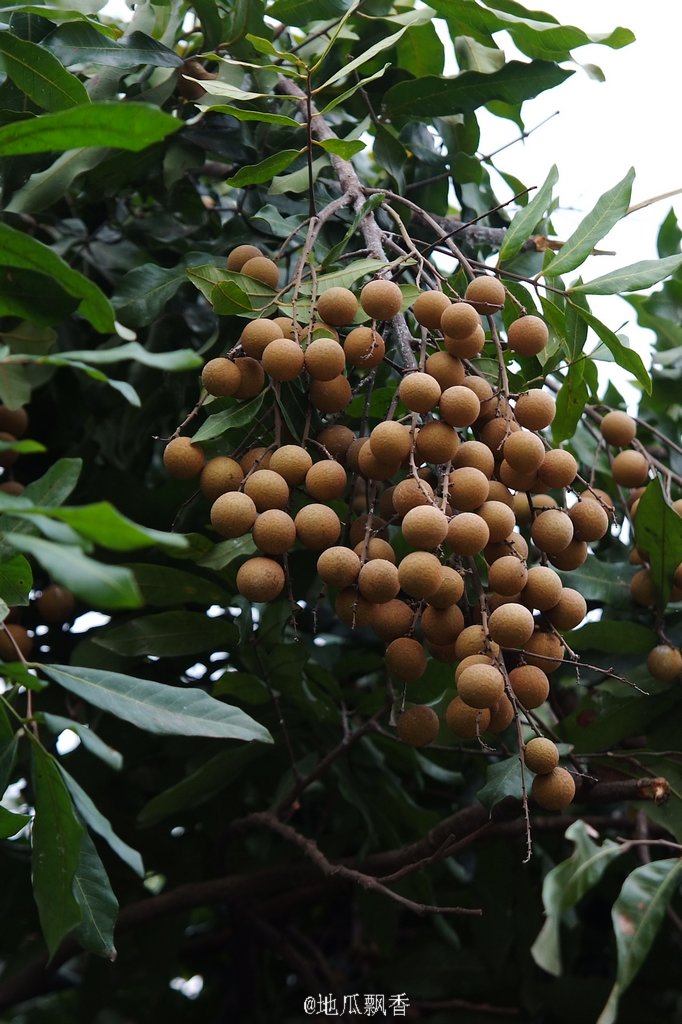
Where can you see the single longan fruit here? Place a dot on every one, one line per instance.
(541, 755)
(451, 588)
(353, 610)
(471, 659)
(507, 575)
(484, 393)
(324, 359)
(630, 469)
(558, 468)
(467, 534)
(255, 457)
(664, 663)
(257, 335)
(642, 588)
(289, 328)
(442, 625)
(260, 579)
(436, 443)
(447, 369)
(552, 531)
(530, 685)
(511, 625)
(467, 347)
(317, 526)
(498, 492)
(618, 429)
(553, 791)
(56, 605)
(459, 406)
(391, 620)
(543, 588)
(406, 659)
(330, 396)
(418, 726)
(459, 320)
(424, 527)
(474, 640)
(262, 269)
(375, 547)
(514, 544)
(528, 335)
(515, 479)
(283, 359)
(502, 715)
(371, 467)
(466, 722)
(411, 493)
(182, 459)
(535, 409)
(219, 476)
(15, 421)
(571, 557)
(476, 455)
(420, 574)
(391, 442)
(233, 514)
(486, 294)
(336, 439)
(267, 489)
(326, 480)
(382, 300)
(429, 307)
(378, 581)
(590, 520)
(419, 392)
(292, 462)
(595, 494)
(499, 519)
(21, 638)
(337, 306)
(481, 686)
(569, 611)
(274, 532)
(544, 651)
(338, 567)
(524, 451)
(364, 348)
(238, 257)
(251, 378)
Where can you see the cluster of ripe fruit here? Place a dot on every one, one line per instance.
(458, 486)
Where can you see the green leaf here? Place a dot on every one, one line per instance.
(612, 637)
(528, 216)
(45, 187)
(630, 278)
(169, 634)
(170, 362)
(256, 174)
(11, 823)
(364, 58)
(90, 740)
(637, 916)
(347, 276)
(502, 779)
(228, 551)
(81, 43)
(55, 486)
(243, 114)
(98, 905)
(608, 582)
(96, 821)
(625, 357)
(16, 581)
(158, 708)
(105, 586)
(608, 210)
(246, 294)
(237, 415)
(658, 530)
(104, 525)
(301, 12)
(572, 398)
(39, 74)
(345, 148)
(8, 749)
(131, 126)
(20, 250)
(162, 585)
(56, 840)
(347, 93)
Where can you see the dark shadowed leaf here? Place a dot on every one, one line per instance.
(658, 529)
(11, 822)
(169, 634)
(99, 907)
(162, 585)
(81, 43)
(255, 174)
(90, 740)
(39, 74)
(502, 779)
(16, 581)
(528, 216)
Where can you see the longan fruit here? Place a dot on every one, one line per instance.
(484, 393)
(499, 519)
(590, 520)
(481, 686)
(498, 492)
(515, 479)
(289, 328)
(486, 294)
(544, 651)
(364, 348)
(471, 659)
(459, 406)
(507, 575)
(380, 299)
(292, 462)
(543, 588)
(527, 336)
(233, 514)
(424, 527)
(618, 429)
(251, 378)
(569, 611)
(182, 459)
(511, 625)
(444, 653)
(524, 451)
(255, 457)
(643, 589)
(375, 547)
(378, 581)
(514, 544)
(21, 638)
(476, 455)
(56, 604)
(221, 377)
(330, 396)
(337, 306)
(467, 534)
(317, 526)
(558, 468)
(324, 359)
(283, 359)
(391, 620)
(664, 663)
(353, 610)
(630, 469)
(530, 685)
(502, 715)
(267, 489)
(467, 347)
(459, 320)
(219, 476)
(411, 493)
(15, 421)
(572, 557)
(429, 307)
(451, 588)
(338, 566)
(474, 640)
(420, 574)
(257, 335)
(326, 480)
(358, 529)
(523, 510)
(553, 791)
(437, 443)
(419, 392)
(371, 467)
(12, 487)
(418, 726)
(495, 432)
(447, 369)
(336, 439)
(238, 257)
(595, 494)
(391, 442)
(468, 488)
(260, 579)
(552, 531)
(541, 755)
(406, 659)
(466, 722)
(274, 532)
(262, 269)
(535, 409)
(442, 625)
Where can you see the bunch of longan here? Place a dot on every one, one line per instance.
(13, 426)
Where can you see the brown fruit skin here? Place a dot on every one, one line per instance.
(182, 459)
(664, 663)
(445, 653)
(337, 306)
(267, 488)
(257, 335)
(502, 715)
(466, 722)
(569, 611)
(429, 307)
(524, 451)
(406, 659)
(283, 359)
(371, 467)
(527, 336)
(459, 406)
(511, 625)
(543, 588)
(494, 433)
(459, 320)
(221, 377)
(382, 300)
(364, 348)
(255, 458)
(558, 468)
(378, 581)
(499, 519)
(420, 574)
(535, 409)
(442, 625)
(541, 755)
(419, 392)
(418, 726)
(233, 514)
(274, 532)
(486, 294)
(425, 527)
(252, 378)
(481, 686)
(338, 567)
(642, 589)
(451, 588)
(390, 442)
(219, 476)
(391, 620)
(476, 455)
(238, 257)
(553, 791)
(336, 440)
(317, 526)
(590, 520)
(437, 443)
(292, 462)
(13, 421)
(21, 638)
(447, 369)
(358, 529)
(571, 557)
(324, 359)
(375, 548)
(530, 685)
(467, 347)
(507, 576)
(56, 605)
(262, 269)
(630, 469)
(410, 493)
(618, 429)
(544, 651)
(467, 534)
(330, 396)
(552, 531)
(326, 481)
(260, 579)
(473, 640)
(353, 610)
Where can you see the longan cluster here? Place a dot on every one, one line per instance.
(13, 426)
(53, 606)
